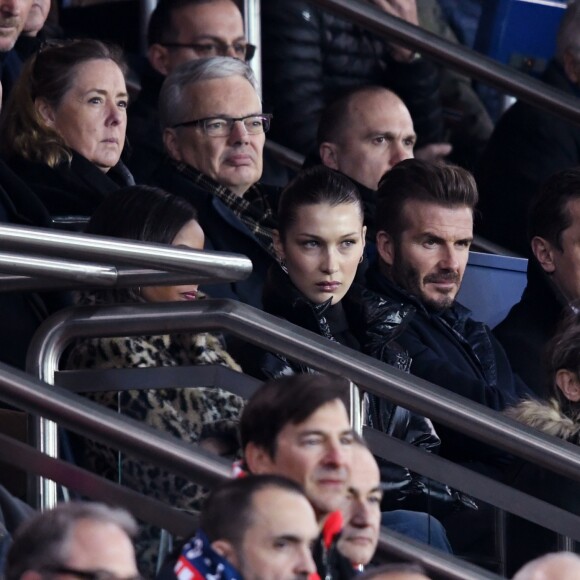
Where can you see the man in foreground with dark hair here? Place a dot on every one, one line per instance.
(252, 528)
(298, 427)
(553, 277)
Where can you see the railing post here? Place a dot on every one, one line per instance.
(355, 408)
(254, 36)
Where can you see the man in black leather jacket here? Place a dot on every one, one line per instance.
(425, 223)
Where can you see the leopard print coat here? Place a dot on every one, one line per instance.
(191, 414)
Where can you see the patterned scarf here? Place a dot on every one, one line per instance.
(198, 560)
(253, 210)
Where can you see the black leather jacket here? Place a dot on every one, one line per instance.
(373, 325)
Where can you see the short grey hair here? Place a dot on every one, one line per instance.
(44, 540)
(569, 32)
(172, 100)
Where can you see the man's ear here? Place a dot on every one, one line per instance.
(329, 154)
(569, 384)
(44, 111)
(225, 549)
(544, 253)
(159, 58)
(386, 247)
(278, 246)
(571, 67)
(258, 460)
(171, 142)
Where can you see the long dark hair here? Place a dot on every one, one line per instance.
(313, 186)
(141, 213)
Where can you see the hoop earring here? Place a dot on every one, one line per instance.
(283, 266)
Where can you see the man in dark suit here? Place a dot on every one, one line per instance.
(214, 132)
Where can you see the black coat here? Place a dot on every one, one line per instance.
(458, 353)
(527, 146)
(71, 190)
(529, 326)
(371, 325)
(224, 232)
(21, 312)
(526, 540)
(310, 56)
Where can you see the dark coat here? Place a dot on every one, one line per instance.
(526, 540)
(310, 56)
(224, 232)
(146, 148)
(529, 326)
(454, 351)
(21, 312)
(372, 327)
(71, 190)
(527, 146)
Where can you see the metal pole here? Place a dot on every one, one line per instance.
(148, 255)
(254, 36)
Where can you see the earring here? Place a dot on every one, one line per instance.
(283, 266)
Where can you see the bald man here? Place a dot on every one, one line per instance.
(560, 566)
(364, 134)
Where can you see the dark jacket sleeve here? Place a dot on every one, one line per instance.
(417, 83)
(293, 71)
(311, 57)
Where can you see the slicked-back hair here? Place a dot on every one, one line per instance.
(143, 214)
(334, 122)
(568, 32)
(563, 352)
(227, 512)
(48, 75)
(44, 541)
(415, 180)
(288, 400)
(173, 99)
(549, 214)
(402, 568)
(313, 186)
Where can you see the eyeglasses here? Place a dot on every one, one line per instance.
(89, 574)
(243, 50)
(222, 126)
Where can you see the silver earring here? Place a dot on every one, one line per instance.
(283, 266)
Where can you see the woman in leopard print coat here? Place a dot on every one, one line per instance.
(203, 416)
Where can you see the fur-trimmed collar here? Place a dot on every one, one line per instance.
(548, 418)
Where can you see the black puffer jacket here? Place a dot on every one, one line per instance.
(310, 56)
(372, 324)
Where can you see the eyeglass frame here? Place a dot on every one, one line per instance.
(196, 46)
(89, 574)
(267, 117)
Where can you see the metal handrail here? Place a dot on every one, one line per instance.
(457, 57)
(102, 424)
(45, 242)
(274, 334)
(123, 278)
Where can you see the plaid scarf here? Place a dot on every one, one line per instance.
(253, 210)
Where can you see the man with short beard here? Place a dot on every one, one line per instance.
(425, 228)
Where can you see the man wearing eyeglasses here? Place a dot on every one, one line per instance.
(179, 31)
(77, 540)
(214, 132)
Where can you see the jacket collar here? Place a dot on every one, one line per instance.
(455, 316)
